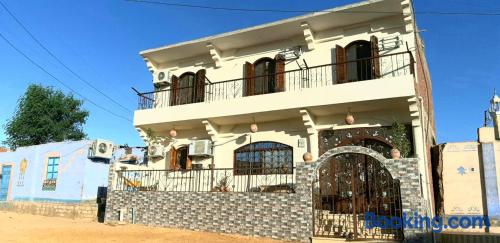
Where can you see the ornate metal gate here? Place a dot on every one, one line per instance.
(346, 188)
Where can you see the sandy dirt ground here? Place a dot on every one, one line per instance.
(16, 227)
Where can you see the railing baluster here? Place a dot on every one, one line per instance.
(298, 79)
(205, 180)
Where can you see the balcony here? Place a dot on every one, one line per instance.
(392, 65)
(353, 84)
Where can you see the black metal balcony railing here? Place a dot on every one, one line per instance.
(276, 180)
(390, 65)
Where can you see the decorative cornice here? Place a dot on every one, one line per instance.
(212, 130)
(309, 122)
(216, 55)
(408, 15)
(308, 35)
(414, 111)
(150, 65)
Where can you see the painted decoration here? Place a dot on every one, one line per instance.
(22, 170)
(23, 166)
(461, 170)
(49, 185)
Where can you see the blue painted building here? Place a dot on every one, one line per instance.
(60, 172)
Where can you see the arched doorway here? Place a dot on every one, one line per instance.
(359, 63)
(346, 188)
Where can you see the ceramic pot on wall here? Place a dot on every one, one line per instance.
(307, 157)
(395, 154)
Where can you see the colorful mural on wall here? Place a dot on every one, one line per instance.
(22, 170)
(59, 171)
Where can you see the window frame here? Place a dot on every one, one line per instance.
(263, 169)
(355, 66)
(174, 161)
(181, 98)
(49, 175)
(267, 77)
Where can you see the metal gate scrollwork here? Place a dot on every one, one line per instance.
(346, 188)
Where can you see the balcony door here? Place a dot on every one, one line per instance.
(359, 64)
(358, 61)
(186, 88)
(264, 76)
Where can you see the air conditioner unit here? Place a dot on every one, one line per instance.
(101, 149)
(200, 148)
(161, 79)
(155, 151)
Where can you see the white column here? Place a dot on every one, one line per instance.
(420, 148)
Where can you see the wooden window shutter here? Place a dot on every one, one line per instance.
(375, 56)
(174, 89)
(173, 158)
(280, 72)
(189, 163)
(249, 79)
(341, 64)
(199, 91)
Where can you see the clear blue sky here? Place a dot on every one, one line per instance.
(100, 40)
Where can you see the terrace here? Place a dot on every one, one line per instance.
(277, 180)
(297, 80)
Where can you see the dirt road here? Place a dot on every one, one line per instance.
(16, 227)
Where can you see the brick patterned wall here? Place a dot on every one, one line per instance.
(84, 210)
(423, 88)
(273, 215)
(424, 85)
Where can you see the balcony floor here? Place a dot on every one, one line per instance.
(363, 96)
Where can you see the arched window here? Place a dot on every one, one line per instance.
(263, 158)
(265, 79)
(188, 88)
(266, 75)
(358, 61)
(179, 159)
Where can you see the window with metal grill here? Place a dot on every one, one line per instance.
(262, 158)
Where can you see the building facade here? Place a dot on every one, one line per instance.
(466, 174)
(59, 179)
(247, 105)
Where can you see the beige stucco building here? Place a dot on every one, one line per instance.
(370, 65)
(266, 97)
(466, 174)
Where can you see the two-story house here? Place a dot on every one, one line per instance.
(257, 100)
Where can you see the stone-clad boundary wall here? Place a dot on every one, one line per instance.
(274, 215)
